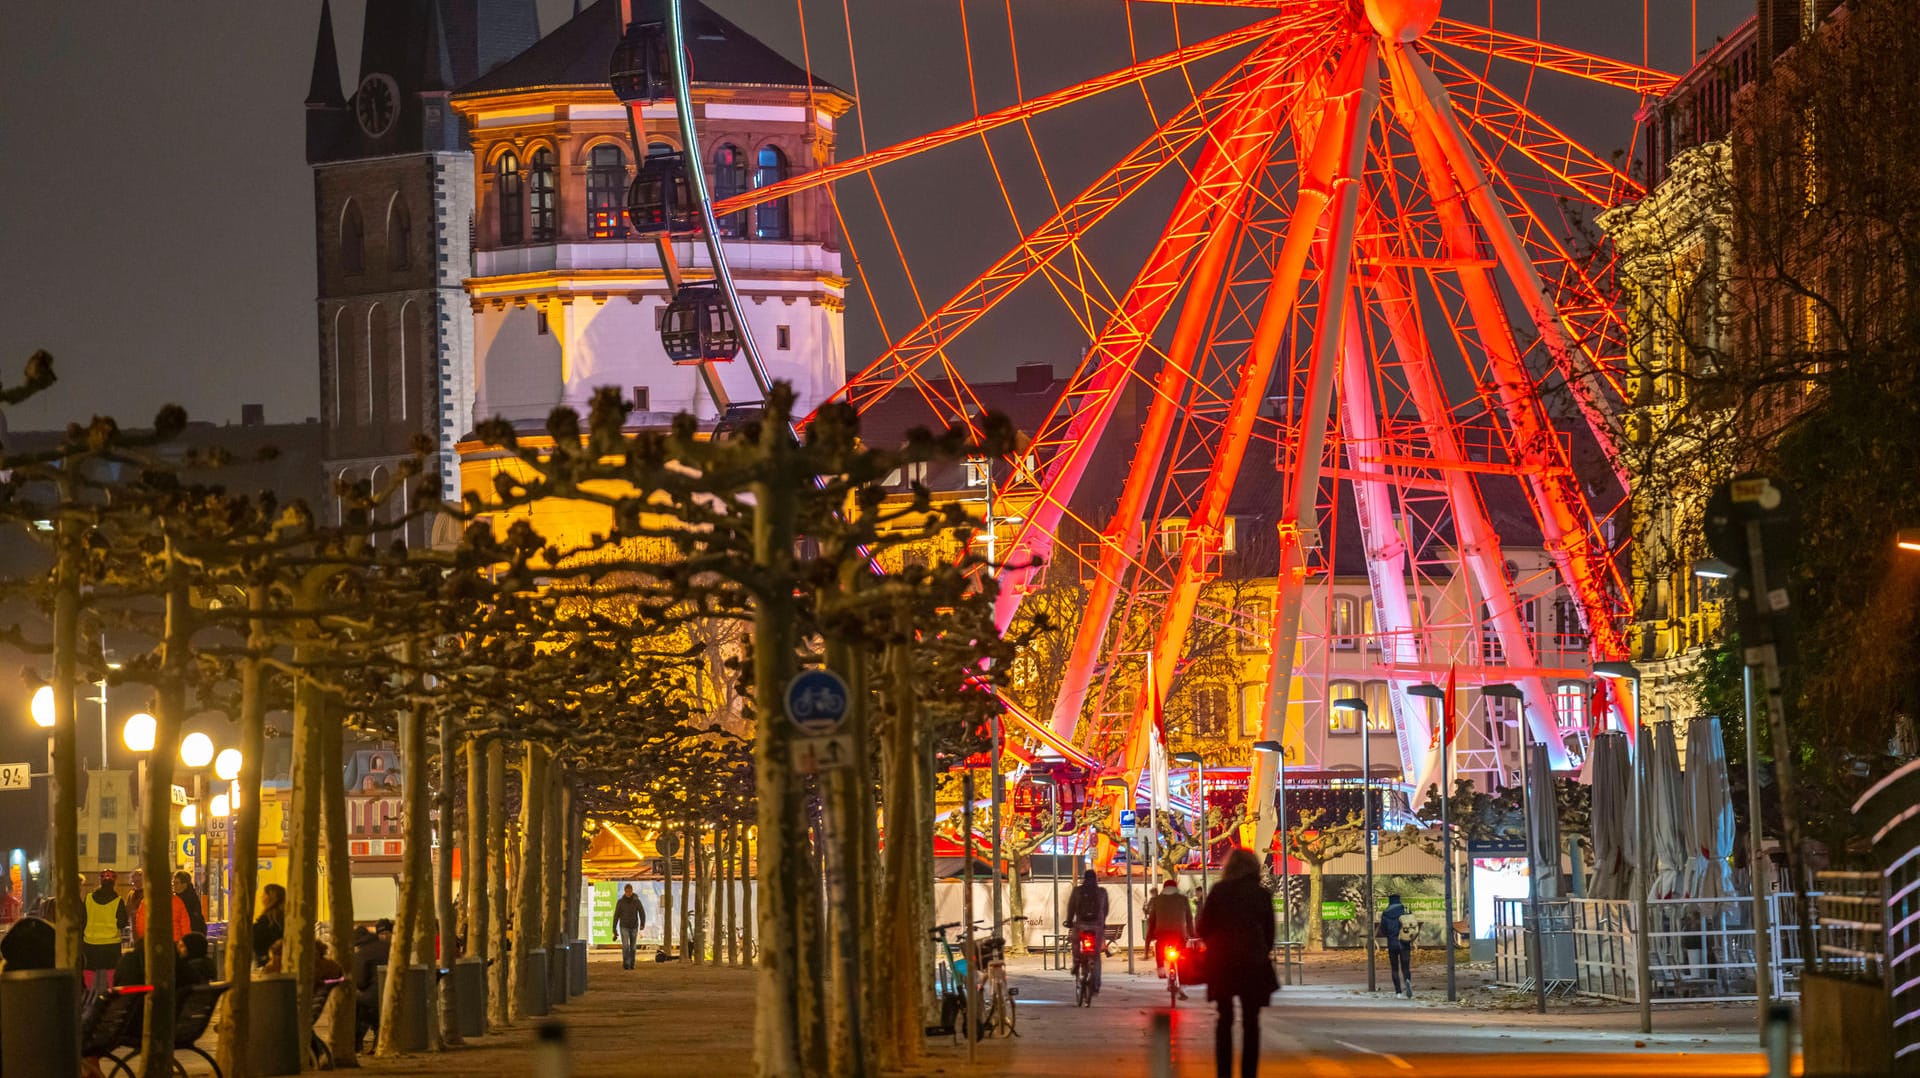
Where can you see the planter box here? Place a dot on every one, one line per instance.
(1846, 1027)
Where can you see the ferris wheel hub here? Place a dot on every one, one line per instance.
(1404, 21)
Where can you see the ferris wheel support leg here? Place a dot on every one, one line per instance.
(1217, 196)
(1436, 109)
(1529, 435)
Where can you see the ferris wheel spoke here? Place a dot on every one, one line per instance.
(1539, 54)
(1557, 154)
(1025, 110)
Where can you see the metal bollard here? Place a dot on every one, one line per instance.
(550, 1052)
(416, 1010)
(559, 961)
(1779, 1041)
(1160, 1046)
(536, 983)
(40, 1022)
(578, 967)
(273, 1024)
(469, 978)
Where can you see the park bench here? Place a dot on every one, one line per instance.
(318, 1051)
(110, 1024)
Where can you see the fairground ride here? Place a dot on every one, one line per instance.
(1363, 286)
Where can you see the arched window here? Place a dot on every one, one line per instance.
(506, 189)
(770, 218)
(1210, 711)
(353, 239)
(1570, 705)
(543, 213)
(607, 193)
(379, 361)
(1346, 623)
(1339, 721)
(399, 235)
(1379, 707)
(730, 179)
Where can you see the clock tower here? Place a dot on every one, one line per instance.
(393, 208)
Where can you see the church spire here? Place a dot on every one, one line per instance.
(324, 91)
(436, 66)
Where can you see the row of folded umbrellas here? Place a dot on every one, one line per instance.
(1689, 814)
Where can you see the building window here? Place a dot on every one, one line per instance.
(108, 807)
(399, 235)
(543, 211)
(783, 338)
(730, 179)
(1253, 627)
(1492, 650)
(607, 193)
(1570, 705)
(1346, 623)
(770, 218)
(353, 240)
(512, 208)
(83, 843)
(642, 399)
(1379, 707)
(1369, 627)
(1173, 532)
(979, 471)
(540, 323)
(1566, 617)
(109, 847)
(1229, 535)
(1253, 708)
(1210, 711)
(1340, 721)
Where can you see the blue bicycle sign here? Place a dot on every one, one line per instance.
(817, 701)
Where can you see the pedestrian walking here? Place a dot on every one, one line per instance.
(1400, 932)
(106, 921)
(628, 919)
(1236, 926)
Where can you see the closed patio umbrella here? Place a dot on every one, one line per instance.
(1710, 812)
(1667, 815)
(1612, 819)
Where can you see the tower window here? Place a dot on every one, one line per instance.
(730, 179)
(607, 193)
(353, 240)
(642, 399)
(399, 235)
(512, 208)
(770, 218)
(540, 323)
(542, 211)
(783, 337)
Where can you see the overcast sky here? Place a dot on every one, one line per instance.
(155, 204)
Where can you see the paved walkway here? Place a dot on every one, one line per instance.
(677, 1019)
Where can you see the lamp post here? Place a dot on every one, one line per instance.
(1053, 820)
(226, 768)
(41, 708)
(1280, 804)
(197, 752)
(1642, 960)
(1506, 691)
(1429, 691)
(1127, 792)
(1206, 848)
(1366, 820)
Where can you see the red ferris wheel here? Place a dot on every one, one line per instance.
(1362, 290)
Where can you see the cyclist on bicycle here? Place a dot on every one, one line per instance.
(1087, 912)
(1169, 924)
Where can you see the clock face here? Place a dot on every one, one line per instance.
(377, 104)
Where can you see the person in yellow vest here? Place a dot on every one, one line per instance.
(105, 923)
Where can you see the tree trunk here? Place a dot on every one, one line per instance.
(303, 847)
(414, 900)
(732, 894)
(157, 854)
(746, 894)
(473, 851)
(443, 875)
(553, 864)
(64, 855)
(849, 799)
(1316, 891)
(576, 847)
(236, 1057)
(499, 1003)
(811, 937)
(777, 990)
(526, 914)
(700, 895)
(901, 1029)
(345, 1034)
(666, 893)
(689, 939)
(1016, 909)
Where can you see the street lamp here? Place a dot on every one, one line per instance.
(1643, 968)
(1053, 818)
(42, 707)
(139, 732)
(1206, 848)
(1908, 539)
(1279, 752)
(1713, 569)
(1505, 691)
(1349, 703)
(196, 750)
(226, 766)
(1429, 691)
(1126, 789)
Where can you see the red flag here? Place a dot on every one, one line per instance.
(1597, 709)
(1448, 726)
(1153, 701)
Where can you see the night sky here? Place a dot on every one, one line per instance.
(156, 206)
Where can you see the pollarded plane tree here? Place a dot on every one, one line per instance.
(1361, 289)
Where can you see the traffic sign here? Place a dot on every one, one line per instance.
(817, 701)
(1126, 819)
(16, 776)
(830, 752)
(179, 794)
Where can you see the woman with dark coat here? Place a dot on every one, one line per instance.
(1236, 924)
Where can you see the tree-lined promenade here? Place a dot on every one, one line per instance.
(532, 681)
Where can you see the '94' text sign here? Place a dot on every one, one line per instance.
(16, 776)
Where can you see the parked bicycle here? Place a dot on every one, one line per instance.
(954, 986)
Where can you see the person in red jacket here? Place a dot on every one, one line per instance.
(182, 924)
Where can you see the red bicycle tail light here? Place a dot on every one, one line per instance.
(1173, 954)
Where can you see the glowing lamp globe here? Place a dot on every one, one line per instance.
(226, 766)
(221, 808)
(42, 707)
(190, 816)
(196, 750)
(139, 732)
(1404, 21)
